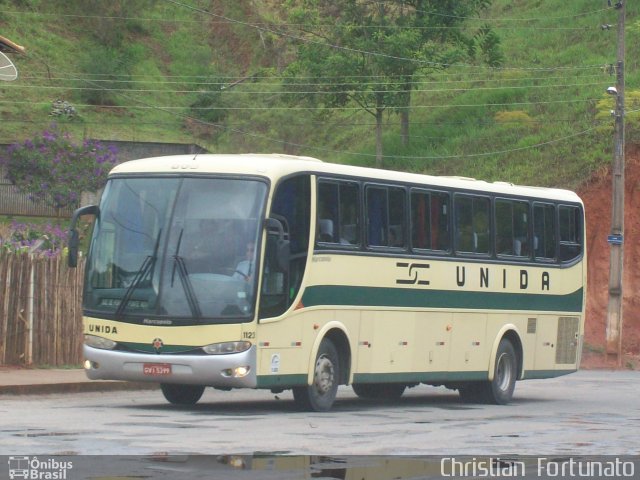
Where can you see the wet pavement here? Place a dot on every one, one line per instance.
(249, 434)
(590, 412)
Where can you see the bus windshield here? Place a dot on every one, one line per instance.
(178, 248)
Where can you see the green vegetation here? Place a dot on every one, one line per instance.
(51, 168)
(213, 73)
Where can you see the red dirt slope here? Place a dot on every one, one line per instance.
(597, 199)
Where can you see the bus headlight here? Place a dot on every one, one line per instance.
(226, 347)
(99, 342)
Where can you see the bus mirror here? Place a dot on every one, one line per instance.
(74, 238)
(281, 247)
(283, 253)
(274, 226)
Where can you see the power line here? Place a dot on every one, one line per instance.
(332, 124)
(295, 92)
(297, 25)
(336, 151)
(310, 108)
(219, 84)
(79, 76)
(501, 152)
(172, 111)
(534, 19)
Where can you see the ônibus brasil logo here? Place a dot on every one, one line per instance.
(38, 469)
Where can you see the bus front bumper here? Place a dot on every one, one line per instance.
(234, 370)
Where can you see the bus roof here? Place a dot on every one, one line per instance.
(275, 166)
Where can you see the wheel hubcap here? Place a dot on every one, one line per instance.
(323, 375)
(504, 372)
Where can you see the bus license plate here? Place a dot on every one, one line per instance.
(156, 369)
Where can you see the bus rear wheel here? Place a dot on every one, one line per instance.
(320, 395)
(498, 391)
(182, 394)
(379, 391)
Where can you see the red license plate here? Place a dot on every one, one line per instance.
(156, 369)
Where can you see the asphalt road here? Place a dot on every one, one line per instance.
(587, 413)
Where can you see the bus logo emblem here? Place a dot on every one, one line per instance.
(413, 271)
(157, 344)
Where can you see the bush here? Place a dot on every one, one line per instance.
(53, 169)
(48, 240)
(110, 69)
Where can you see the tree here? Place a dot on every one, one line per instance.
(444, 39)
(53, 169)
(368, 52)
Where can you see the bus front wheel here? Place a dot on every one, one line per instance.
(182, 394)
(320, 395)
(498, 391)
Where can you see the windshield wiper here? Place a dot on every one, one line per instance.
(187, 286)
(145, 268)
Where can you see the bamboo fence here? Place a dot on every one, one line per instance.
(40, 311)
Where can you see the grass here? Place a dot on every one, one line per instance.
(524, 123)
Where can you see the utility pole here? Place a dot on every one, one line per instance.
(616, 238)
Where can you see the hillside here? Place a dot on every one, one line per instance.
(215, 73)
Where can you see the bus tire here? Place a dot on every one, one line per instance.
(498, 391)
(504, 375)
(320, 395)
(182, 394)
(379, 391)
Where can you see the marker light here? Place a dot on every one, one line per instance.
(99, 342)
(226, 347)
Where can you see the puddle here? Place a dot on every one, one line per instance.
(37, 434)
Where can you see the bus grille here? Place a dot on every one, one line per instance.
(567, 342)
(532, 324)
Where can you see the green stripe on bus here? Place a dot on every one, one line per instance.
(537, 374)
(148, 348)
(345, 295)
(271, 381)
(418, 377)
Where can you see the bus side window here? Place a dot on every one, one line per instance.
(328, 201)
(397, 200)
(430, 220)
(544, 231)
(386, 223)
(291, 204)
(570, 232)
(377, 217)
(472, 224)
(338, 213)
(512, 228)
(349, 214)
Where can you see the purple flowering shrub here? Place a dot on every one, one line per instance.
(51, 168)
(48, 240)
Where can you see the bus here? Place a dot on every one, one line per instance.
(283, 272)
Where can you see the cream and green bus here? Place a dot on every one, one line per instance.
(279, 272)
